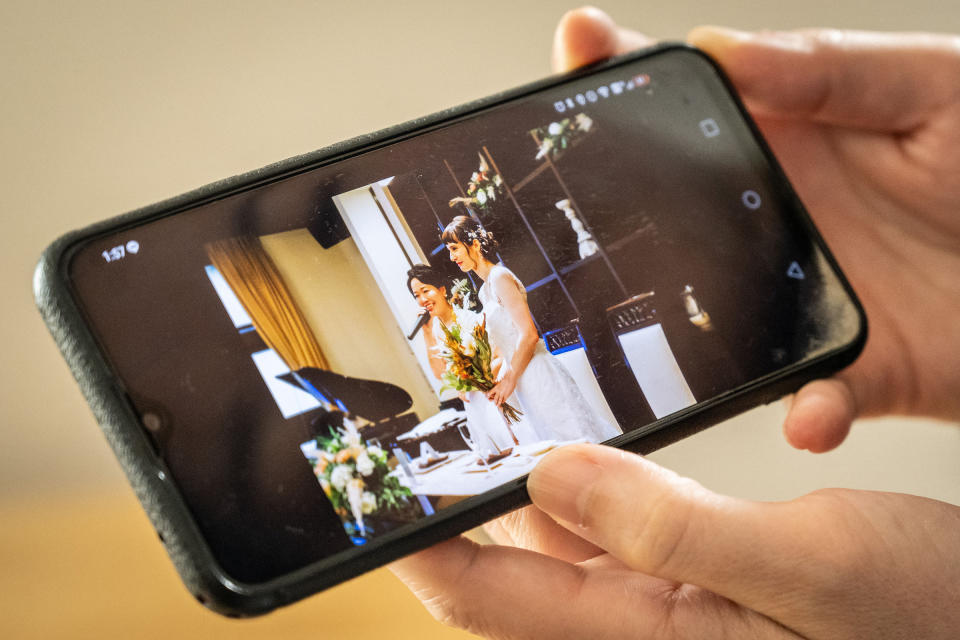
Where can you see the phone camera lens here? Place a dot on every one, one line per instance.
(152, 422)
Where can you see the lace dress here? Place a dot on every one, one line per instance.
(550, 399)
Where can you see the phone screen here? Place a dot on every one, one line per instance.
(310, 357)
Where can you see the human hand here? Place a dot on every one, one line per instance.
(867, 127)
(636, 551)
(502, 391)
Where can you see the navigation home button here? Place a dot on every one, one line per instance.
(795, 272)
(751, 199)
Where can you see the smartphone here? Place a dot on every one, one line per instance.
(273, 357)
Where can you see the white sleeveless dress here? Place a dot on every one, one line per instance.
(487, 428)
(550, 399)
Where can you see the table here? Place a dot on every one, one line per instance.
(461, 475)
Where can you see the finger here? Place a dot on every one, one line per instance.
(889, 82)
(498, 533)
(505, 592)
(532, 529)
(666, 526)
(820, 415)
(587, 35)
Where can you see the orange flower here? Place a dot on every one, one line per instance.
(343, 455)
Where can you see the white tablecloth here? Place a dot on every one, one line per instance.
(461, 475)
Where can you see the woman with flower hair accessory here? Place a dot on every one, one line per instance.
(548, 395)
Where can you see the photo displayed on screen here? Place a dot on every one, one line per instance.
(360, 345)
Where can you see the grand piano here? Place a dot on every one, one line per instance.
(385, 406)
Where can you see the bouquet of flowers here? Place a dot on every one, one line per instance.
(557, 136)
(355, 477)
(467, 352)
(484, 187)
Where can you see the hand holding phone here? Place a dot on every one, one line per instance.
(735, 550)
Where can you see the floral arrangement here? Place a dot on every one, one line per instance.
(467, 352)
(558, 136)
(484, 187)
(461, 295)
(355, 477)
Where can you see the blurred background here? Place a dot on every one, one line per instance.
(108, 106)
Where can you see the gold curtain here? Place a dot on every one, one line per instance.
(253, 276)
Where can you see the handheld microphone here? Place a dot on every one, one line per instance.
(421, 321)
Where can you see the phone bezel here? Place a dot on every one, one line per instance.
(157, 491)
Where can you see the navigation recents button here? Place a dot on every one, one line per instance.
(710, 128)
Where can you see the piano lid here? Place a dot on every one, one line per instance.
(370, 399)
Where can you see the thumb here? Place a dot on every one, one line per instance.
(661, 524)
(878, 81)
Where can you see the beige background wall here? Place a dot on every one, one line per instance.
(107, 106)
(345, 309)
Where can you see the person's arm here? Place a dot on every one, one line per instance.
(507, 291)
(437, 365)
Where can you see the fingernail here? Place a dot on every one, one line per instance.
(562, 482)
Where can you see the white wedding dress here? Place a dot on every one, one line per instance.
(551, 402)
(488, 430)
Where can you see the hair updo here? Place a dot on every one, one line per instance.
(465, 230)
(427, 275)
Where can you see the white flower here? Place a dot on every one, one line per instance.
(474, 177)
(545, 147)
(350, 433)
(468, 321)
(497, 180)
(555, 129)
(368, 503)
(340, 476)
(364, 464)
(481, 196)
(354, 493)
(584, 122)
(375, 451)
(491, 193)
(469, 347)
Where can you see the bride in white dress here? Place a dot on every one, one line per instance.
(488, 431)
(549, 397)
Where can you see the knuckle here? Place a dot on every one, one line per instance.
(457, 613)
(660, 541)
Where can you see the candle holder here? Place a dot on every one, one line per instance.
(587, 245)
